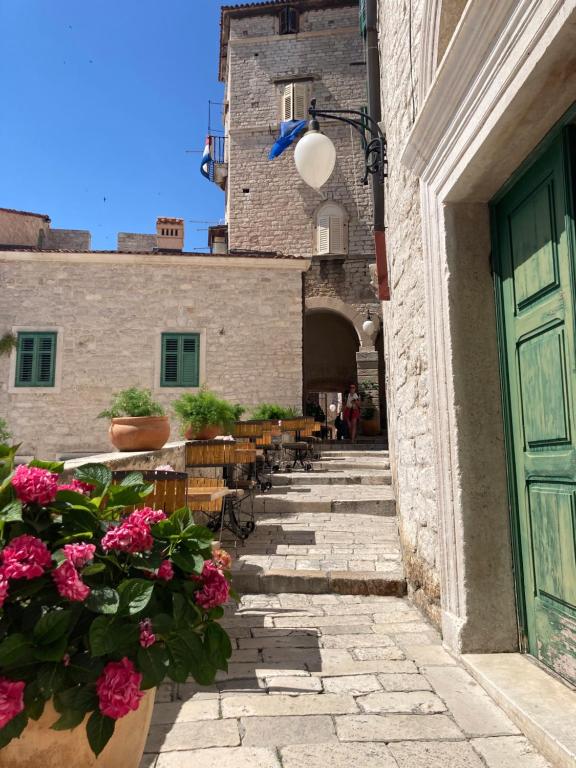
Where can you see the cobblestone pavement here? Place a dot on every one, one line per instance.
(338, 680)
(327, 669)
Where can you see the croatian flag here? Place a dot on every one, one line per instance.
(206, 158)
(289, 132)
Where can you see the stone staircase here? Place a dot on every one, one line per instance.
(332, 530)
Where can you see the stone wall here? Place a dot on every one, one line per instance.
(109, 311)
(410, 425)
(19, 228)
(129, 242)
(69, 239)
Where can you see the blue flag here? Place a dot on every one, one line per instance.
(206, 159)
(289, 131)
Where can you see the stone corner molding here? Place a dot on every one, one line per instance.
(473, 62)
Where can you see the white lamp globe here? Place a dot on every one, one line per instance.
(315, 158)
(368, 327)
(332, 408)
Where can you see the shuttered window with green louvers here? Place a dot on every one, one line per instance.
(362, 17)
(35, 359)
(180, 360)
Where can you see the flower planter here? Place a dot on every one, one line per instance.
(41, 747)
(139, 433)
(370, 427)
(207, 432)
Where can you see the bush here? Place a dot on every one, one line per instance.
(272, 411)
(5, 435)
(205, 409)
(98, 604)
(132, 402)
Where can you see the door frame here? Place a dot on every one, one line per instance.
(517, 560)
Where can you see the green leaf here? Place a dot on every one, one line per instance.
(103, 599)
(180, 659)
(96, 474)
(108, 636)
(84, 668)
(52, 626)
(74, 497)
(153, 663)
(188, 562)
(12, 512)
(201, 668)
(51, 652)
(50, 679)
(99, 730)
(34, 700)
(162, 623)
(90, 570)
(69, 719)
(13, 729)
(15, 649)
(133, 478)
(216, 613)
(135, 594)
(218, 646)
(82, 698)
(121, 496)
(51, 466)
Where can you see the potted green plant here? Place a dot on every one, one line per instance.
(5, 435)
(137, 422)
(266, 411)
(97, 608)
(204, 415)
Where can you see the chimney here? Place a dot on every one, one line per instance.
(169, 234)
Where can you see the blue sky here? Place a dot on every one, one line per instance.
(100, 101)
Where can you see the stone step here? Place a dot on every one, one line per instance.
(331, 464)
(355, 455)
(342, 445)
(373, 500)
(336, 477)
(249, 580)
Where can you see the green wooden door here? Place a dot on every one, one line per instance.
(535, 277)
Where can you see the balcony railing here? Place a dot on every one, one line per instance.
(218, 169)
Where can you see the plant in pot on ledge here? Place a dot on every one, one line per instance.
(137, 422)
(204, 415)
(98, 607)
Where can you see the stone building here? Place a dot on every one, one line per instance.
(90, 323)
(274, 58)
(479, 112)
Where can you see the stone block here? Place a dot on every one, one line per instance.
(367, 583)
(293, 685)
(186, 711)
(509, 752)
(403, 682)
(263, 731)
(238, 757)
(351, 684)
(304, 581)
(408, 702)
(253, 705)
(429, 655)
(434, 754)
(396, 728)
(180, 736)
(337, 756)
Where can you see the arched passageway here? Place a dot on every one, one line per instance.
(330, 347)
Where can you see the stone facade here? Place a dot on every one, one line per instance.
(408, 390)
(109, 311)
(268, 206)
(23, 228)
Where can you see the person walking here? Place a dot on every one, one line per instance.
(352, 411)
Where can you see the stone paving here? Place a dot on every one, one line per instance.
(338, 680)
(327, 669)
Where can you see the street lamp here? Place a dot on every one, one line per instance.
(315, 154)
(368, 325)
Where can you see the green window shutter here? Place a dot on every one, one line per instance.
(180, 360)
(36, 359)
(362, 17)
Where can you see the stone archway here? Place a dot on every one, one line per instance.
(330, 348)
(329, 304)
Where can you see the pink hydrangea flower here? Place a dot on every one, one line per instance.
(132, 535)
(215, 588)
(25, 557)
(69, 584)
(165, 571)
(147, 515)
(35, 485)
(11, 699)
(79, 554)
(221, 558)
(78, 486)
(147, 636)
(118, 688)
(3, 588)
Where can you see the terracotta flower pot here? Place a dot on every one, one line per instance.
(370, 427)
(139, 433)
(208, 432)
(40, 747)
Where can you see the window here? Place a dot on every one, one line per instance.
(180, 360)
(288, 21)
(331, 230)
(295, 101)
(35, 359)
